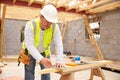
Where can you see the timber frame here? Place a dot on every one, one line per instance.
(83, 7)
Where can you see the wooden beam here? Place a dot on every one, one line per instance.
(62, 3)
(76, 6)
(92, 38)
(54, 2)
(24, 3)
(93, 5)
(26, 13)
(69, 76)
(64, 30)
(14, 1)
(67, 70)
(70, 4)
(30, 2)
(94, 1)
(97, 72)
(49, 70)
(110, 6)
(82, 2)
(71, 7)
(2, 29)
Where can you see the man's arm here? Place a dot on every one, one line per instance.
(29, 41)
(58, 45)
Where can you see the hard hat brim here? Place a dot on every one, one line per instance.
(52, 20)
(48, 19)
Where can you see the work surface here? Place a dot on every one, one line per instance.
(79, 67)
(13, 70)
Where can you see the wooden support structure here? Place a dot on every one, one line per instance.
(30, 2)
(64, 30)
(97, 72)
(2, 29)
(92, 38)
(68, 72)
(93, 5)
(105, 7)
(14, 1)
(69, 76)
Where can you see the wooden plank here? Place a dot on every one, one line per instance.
(92, 38)
(99, 3)
(115, 66)
(69, 76)
(30, 2)
(49, 70)
(76, 6)
(64, 30)
(94, 1)
(67, 70)
(2, 29)
(93, 5)
(110, 6)
(94, 64)
(26, 13)
(14, 1)
(62, 3)
(97, 72)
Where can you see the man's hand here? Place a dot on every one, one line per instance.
(46, 62)
(58, 65)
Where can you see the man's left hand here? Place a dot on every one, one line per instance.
(58, 65)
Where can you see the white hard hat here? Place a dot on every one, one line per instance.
(50, 13)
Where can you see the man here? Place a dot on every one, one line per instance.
(41, 32)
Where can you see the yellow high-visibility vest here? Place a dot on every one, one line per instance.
(47, 38)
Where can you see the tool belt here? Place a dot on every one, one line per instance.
(24, 57)
(43, 54)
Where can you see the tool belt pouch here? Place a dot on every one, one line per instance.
(24, 57)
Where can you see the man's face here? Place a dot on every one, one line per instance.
(44, 23)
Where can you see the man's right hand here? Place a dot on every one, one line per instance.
(46, 62)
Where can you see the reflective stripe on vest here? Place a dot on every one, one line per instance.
(47, 38)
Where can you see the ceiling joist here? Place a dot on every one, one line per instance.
(77, 4)
(71, 6)
(93, 5)
(106, 7)
(30, 2)
(14, 1)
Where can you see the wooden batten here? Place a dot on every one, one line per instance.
(105, 7)
(99, 3)
(25, 13)
(30, 2)
(92, 38)
(67, 70)
(2, 29)
(14, 1)
(71, 7)
(90, 8)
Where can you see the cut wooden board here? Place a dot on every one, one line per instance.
(50, 70)
(115, 66)
(93, 64)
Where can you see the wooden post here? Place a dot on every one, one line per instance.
(69, 76)
(97, 72)
(92, 38)
(2, 29)
(63, 34)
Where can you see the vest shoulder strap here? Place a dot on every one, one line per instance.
(53, 29)
(34, 25)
